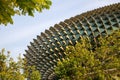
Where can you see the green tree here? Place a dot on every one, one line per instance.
(83, 62)
(34, 74)
(16, 70)
(9, 8)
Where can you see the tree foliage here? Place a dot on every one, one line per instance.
(82, 62)
(9, 8)
(16, 70)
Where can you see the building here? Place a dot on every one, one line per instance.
(48, 48)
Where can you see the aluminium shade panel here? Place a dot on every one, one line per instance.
(49, 47)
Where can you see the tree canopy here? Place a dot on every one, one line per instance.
(16, 70)
(82, 62)
(9, 8)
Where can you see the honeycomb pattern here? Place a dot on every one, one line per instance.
(48, 48)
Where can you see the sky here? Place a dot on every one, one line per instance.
(16, 37)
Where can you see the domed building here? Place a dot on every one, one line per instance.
(45, 51)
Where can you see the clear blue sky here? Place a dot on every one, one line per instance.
(16, 37)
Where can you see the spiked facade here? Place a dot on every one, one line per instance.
(48, 48)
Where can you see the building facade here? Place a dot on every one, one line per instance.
(45, 51)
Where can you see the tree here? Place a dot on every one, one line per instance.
(11, 70)
(9, 8)
(83, 62)
(34, 75)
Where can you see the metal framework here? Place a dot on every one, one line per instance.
(48, 48)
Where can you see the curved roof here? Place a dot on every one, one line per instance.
(48, 48)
